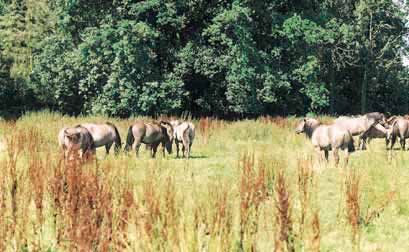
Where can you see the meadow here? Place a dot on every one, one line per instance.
(251, 185)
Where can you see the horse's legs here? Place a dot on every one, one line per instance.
(336, 156)
(136, 146)
(359, 142)
(402, 142)
(163, 150)
(326, 153)
(154, 149)
(393, 141)
(319, 154)
(363, 139)
(346, 156)
(183, 150)
(177, 148)
(108, 147)
(186, 147)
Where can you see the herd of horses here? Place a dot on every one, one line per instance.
(339, 134)
(336, 136)
(86, 137)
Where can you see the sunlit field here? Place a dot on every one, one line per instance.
(251, 185)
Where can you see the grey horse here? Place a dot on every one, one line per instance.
(399, 128)
(357, 126)
(184, 133)
(377, 116)
(76, 138)
(151, 134)
(105, 134)
(327, 137)
(377, 131)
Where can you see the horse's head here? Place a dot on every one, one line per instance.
(301, 126)
(169, 135)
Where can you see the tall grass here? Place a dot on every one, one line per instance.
(251, 185)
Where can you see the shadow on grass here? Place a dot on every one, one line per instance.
(194, 157)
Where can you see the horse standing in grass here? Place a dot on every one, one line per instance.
(399, 128)
(377, 116)
(377, 131)
(184, 133)
(357, 126)
(151, 134)
(105, 134)
(327, 137)
(76, 138)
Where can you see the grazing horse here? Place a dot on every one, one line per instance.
(377, 131)
(76, 138)
(327, 137)
(184, 132)
(105, 134)
(151, 134)
(357, 126)
(399, 128)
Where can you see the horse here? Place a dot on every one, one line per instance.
(327, 137)
(76, 138)
(105, 134)
(377, 116)
(151, 134)
(377, 131)
(357, 126)
(399, 128)
(184, 132)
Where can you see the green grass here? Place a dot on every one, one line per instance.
(198, 185)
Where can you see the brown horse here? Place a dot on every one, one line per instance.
(151, 134)
(105, 134)
(76, 138)
(327, 137)
(184, 133)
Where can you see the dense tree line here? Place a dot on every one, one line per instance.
(224, 58)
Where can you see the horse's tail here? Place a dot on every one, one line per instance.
(187, 139)
(90, 147)
(118, 142)
(351, 146)
(129, 139)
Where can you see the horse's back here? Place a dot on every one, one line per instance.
(102, 133)
(147, 132)
(331, 136)
(355, 125)
(185, 128)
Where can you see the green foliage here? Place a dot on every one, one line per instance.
(229, 58)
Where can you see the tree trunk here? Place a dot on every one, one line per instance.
(332, 92)
(364, 91)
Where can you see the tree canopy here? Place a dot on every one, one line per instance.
(221, 58)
